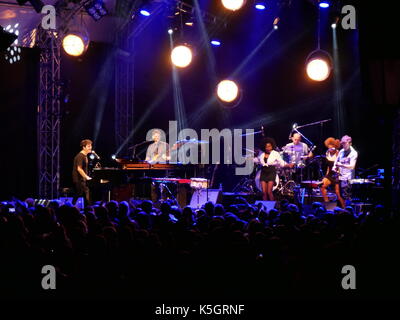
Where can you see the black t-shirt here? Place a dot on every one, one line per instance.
(79, 160)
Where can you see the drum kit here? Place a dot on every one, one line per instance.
(288, 180)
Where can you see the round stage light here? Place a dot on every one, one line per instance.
(181, 56)
(170, 31)
(227, 91)
(144, 12)
(324, 4)
(75, 44)
(215, 42)
(233, 5)
(113, 157)
(318, 69)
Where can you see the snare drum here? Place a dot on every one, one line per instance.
(199, 183)
(258, 182)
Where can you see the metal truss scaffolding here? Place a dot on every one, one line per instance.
(124, 88)
(48, 119)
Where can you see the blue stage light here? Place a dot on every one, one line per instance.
(144, 12)
(260, 6)
(216, 42)
(324, 4)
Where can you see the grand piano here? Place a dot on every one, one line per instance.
(144, 180)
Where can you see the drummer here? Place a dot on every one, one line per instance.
(270, 159)
(298, 151)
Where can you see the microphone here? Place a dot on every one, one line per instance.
(96, 155)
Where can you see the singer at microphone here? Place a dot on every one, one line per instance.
(80, 172)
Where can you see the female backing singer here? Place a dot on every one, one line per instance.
(270, 159)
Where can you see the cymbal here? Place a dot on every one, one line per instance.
(191, 141)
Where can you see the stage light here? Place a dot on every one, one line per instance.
(92, 156)
(260, 5)
(181, 56)
(12, 54)
(233, 5)
(318, 69)
(333, 25)
(96, 9)
(144, 12)
(276, 22)
(113, 157)
(7, 38)
(75, 44)
(216, 42)
(227, 91)
(170, 31)
(324, 4)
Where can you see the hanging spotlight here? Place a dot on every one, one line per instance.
(6, 37)
(216, 42)
(260, 5)
(318, 65)
(75, 43)
(13, 52)
(233, 5)
(181, 56)
(335, 21)
(319, 62)
(145, 12)
(276, 22)
(96, 9)
(228, 91)
(324, 4)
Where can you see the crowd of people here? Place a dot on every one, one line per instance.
(134, 250)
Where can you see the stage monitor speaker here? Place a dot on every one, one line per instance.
(266, 205)
(200, 197)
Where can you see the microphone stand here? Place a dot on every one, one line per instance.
(313, 123)
(305, 139)
(134, 148)
(307, 125)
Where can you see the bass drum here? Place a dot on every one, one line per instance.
(258, 182)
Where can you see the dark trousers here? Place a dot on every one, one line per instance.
(82, 190)
(345, 189)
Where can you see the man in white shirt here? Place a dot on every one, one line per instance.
(345, 165)
(158, 150)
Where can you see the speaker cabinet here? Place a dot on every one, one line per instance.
(200, 197)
